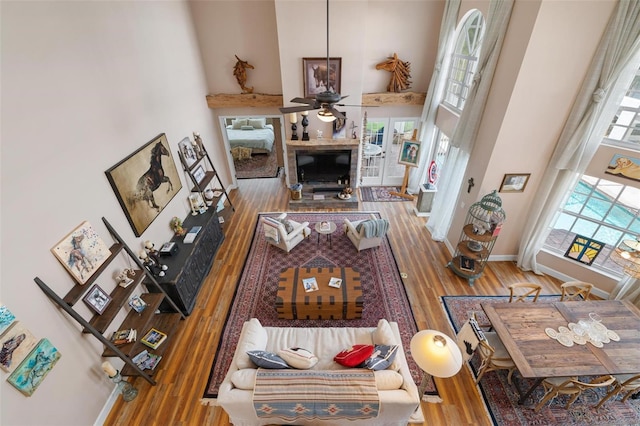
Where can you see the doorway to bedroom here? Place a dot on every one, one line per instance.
(255, 144)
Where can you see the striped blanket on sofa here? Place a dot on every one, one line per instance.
(308, 394)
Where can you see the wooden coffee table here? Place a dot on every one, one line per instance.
(292, 302)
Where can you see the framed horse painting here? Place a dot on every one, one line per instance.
(145, 182)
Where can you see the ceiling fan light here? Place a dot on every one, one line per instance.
(326, 116)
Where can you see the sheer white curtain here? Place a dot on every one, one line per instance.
(467, 128)
(436, 91)
(607, 80)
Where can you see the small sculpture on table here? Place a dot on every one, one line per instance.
(305, 124)
(151, 259)
(176, 226)
(125, 277)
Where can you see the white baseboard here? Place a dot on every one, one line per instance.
(106, 409)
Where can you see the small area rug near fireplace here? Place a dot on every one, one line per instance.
(380, 193)
(257, 166)
(383, 291)
(501, 399)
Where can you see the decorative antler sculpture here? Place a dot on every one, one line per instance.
(400, 73)
(240, 71)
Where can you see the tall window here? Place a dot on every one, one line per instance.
(464, 61)
(603, 210)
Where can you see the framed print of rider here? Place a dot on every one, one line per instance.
(145, 182)
(81, 252)
(316, 77)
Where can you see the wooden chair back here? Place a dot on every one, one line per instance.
(520, 292)
(575, 290)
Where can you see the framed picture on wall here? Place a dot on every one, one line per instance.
(514, 182)
(317, 79)
(145, 182)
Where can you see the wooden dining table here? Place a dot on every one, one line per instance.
(521, 327)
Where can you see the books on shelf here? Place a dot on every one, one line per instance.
(137, 304)
(192, 234)
(153, 338)
(335, 282)
(467, 264)
(146, 361)
(310, 284)
(122, 337)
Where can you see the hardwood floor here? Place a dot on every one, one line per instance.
(182, 378)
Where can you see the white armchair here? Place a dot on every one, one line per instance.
(364, 237)
(284, 233)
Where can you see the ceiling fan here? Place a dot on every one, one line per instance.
(324, 101)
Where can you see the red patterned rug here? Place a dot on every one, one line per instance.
(380, 193)
(383, 290)
(257, 166)
(501, 398)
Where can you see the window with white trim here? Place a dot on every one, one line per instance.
(464, 61)
(600, 209)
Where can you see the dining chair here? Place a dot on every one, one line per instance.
(493, 356)
(575, 290)
(520, 292)
(625, 383)
(555, 386)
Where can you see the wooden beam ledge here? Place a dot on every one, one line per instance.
(229, 100)
(393, 99)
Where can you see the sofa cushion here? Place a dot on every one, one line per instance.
(387, 380)
(298, 358)
(383, 335)
(252, 338)
(246, 378)
(382, 357)
(354, 356)
(266, 359)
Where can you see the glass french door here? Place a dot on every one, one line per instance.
(383, 142)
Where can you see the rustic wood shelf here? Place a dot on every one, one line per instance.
(253, 100)
(229, 100)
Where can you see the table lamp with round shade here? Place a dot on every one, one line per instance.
(436, 354)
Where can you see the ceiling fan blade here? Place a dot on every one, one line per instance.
(357, 106)
(298, 108)
(336, 113)
(308, 101)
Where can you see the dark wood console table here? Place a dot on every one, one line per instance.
(191, 264)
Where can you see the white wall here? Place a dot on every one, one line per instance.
(84, 84)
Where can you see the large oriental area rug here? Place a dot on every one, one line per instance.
(383, 291)
(501, 399)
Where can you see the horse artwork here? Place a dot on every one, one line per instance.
(145, 182)
(240, 72)
(400, 73)
(81, 252)
(319, 79)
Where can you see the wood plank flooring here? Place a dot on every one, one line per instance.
(184, 371)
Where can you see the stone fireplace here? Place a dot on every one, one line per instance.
(334, 146)
(324, 193)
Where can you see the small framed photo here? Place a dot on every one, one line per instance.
(317, 79)
(409, 153)
(199, 173)
(187, 152)
(515, 182)
(97, 299)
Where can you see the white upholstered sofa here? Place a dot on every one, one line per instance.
(399, 402)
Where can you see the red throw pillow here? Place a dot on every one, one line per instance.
(354, 356)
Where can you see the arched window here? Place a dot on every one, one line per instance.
(464, 60)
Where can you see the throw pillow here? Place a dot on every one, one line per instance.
(238, 123)
(246, 378)
(288, 226)
(382, 357)
(385, 379)
(354, 356)
(257, 123)
(298, 358)
(266, 359)
(253, 337)
(246, 127)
